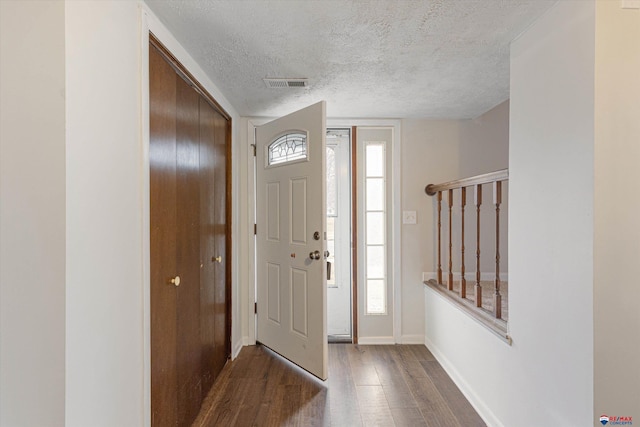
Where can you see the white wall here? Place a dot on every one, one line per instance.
(92, 54)
(104, 369)
(107, 228)
(436, 151)
(546, 376)
(32, 213)
(617, 224)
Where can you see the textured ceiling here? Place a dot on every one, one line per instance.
(391, 59)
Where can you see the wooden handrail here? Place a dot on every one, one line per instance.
(501, 175)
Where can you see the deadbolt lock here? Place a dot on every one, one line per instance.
(316, 235)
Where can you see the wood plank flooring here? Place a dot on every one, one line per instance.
(378, 385)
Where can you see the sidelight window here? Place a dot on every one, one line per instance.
(375, 228)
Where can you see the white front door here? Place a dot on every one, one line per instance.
(290, 240)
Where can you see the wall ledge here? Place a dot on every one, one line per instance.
(497, 326)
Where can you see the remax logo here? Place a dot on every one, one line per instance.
(614, 420)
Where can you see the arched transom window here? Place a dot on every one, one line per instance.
(288, 148)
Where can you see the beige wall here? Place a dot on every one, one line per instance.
(546, 375)
(32, 213)
(436, 151)
(617, 224)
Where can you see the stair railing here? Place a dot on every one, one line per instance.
(475, 184)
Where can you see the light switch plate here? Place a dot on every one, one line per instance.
(409, 217)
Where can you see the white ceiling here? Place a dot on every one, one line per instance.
(384, 59)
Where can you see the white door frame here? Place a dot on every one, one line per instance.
(396, 213)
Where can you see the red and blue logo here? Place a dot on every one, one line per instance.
(615, 420)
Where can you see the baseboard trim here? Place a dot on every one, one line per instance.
(236, 349)
(479, 405)
(375, 340)
(412, 339)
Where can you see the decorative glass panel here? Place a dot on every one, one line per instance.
(288, 148)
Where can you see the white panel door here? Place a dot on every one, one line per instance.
(290, 241)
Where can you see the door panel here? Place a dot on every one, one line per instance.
(162, 187)
(188, 252)
(190, 239)
(207, 243)
(221, 233)
(291, 209)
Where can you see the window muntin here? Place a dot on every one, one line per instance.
(287, 148)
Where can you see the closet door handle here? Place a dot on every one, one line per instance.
(217, 259)
(176, 281)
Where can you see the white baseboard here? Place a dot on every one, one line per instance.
(236, 349)
(469, 275)
(412, 339)
(375, 340)
(476, 401)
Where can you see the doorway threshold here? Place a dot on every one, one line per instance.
(339, 339)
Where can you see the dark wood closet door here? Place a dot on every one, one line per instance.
(213, 169)
(188, 252)
(207, 243)
(190, 239)
(162, 187)
(222, 236)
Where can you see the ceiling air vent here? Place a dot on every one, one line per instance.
(280, 83)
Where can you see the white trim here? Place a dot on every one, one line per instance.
(376, 340)
(251, 298)
(397, 230)
(476, 401)
(146, 209)
(236, 348)
(395, 245)
(412, 339)
(469, 275)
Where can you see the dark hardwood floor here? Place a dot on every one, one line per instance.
(378, 385)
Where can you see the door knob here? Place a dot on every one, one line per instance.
(326, 254)
(217, 259)
(314, 255)
(176, 281)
